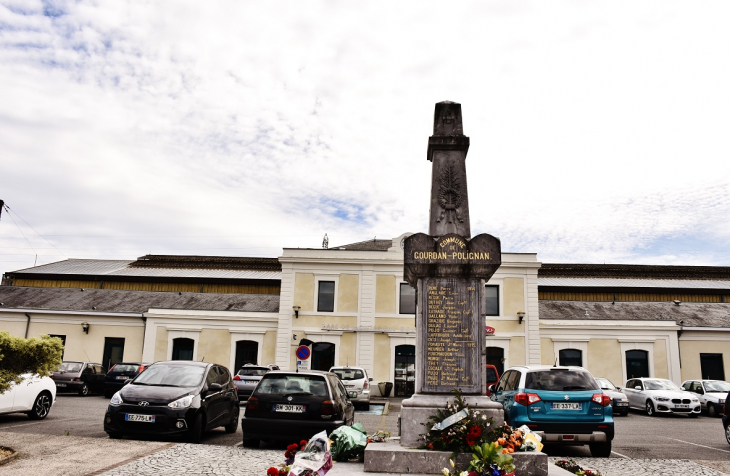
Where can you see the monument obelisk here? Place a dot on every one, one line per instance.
(449, 269)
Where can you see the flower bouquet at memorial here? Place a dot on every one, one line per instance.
(487, 460)
(457, 428)
(570, 465)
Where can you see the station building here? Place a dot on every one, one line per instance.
(352, 306)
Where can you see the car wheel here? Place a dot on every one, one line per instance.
(251, 442)
(41, 406)
(727, 434)
(197, 429)
(600, 450)
(84, 390)
(233, 425)
(650, 408)
(711, 411)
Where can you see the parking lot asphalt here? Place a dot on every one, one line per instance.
(72, 442)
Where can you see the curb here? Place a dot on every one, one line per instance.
(8, 458)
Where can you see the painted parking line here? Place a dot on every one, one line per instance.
(2, 427)
(619, 454)
(696, 444)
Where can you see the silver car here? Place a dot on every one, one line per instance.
(355, 379)
(619, 400)
(658, 395)
(712, 394)
(248, 377)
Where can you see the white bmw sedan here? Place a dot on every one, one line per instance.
(34, 396)
(658, 395)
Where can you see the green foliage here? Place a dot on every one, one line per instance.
(35, 355)
(485, 457)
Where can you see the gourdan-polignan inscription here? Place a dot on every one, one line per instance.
(452, 356)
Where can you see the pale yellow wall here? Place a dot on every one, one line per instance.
(348, 349)
(396, 322)
(347, 293)
(547, 353)
(690, 352)
(381, 370)
(517, 351)
(507, 327)
(304, 291)
(161, 344)
(385, 294)
(514, 296)
(268, 353)
(321, 321)
(605, 360)
(15, 328)
(214, 345)
(661, 368)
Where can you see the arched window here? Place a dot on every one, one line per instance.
(182, 348)
(637, 364)
(323, 355)
(570, 357)
(247, 352)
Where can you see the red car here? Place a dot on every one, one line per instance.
(492, 377)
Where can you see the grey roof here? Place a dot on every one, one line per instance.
(369, 245)
(693, 314)
(573, 270)
(111, 300)
(116, 268)
(632, 283)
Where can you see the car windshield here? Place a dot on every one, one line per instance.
(259, 371)
(717, 386)
(560, 380)
(660, 385)
(166, 375)
(71, 367)
(288, 384)
(605, 384)
(125, 368)
(349, 374)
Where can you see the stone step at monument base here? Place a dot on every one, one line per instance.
(393, 458)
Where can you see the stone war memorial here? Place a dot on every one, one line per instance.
(448, 268)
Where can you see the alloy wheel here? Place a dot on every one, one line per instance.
(41, 407)
(649, 408)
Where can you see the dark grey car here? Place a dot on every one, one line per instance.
(619, 400)
(80, 377)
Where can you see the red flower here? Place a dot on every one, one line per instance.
(430, 446)
(303, 443)
(470, 441)
(473, 473)
(475, 432)
(272, 472)
(283, 472)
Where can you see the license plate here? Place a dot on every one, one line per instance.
(60, 385)
(565, 406)
(142, 418)
(120, 377)
(289, 408)
(250, 382)
(622, 404)
(349, 386)
(681, 406)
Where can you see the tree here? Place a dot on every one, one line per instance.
(35, 355)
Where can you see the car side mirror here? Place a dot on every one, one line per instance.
(352, 394)
(214, 387)
(618, 389)
(492, 388)
(370, 379)
(638, 387)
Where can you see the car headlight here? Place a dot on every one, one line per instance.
(183, 402)
(624, 399)
(116, 400)
(662, 399)
(695, 400)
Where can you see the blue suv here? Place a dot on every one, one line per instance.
(565, 404)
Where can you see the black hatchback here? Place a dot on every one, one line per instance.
(171, 398)
(295, 406)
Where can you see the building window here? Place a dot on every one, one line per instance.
(247, 352)
(407, 299)
(182, 348)
(323, 355)
(572, 357)
(326, 297)
(405, 370)
(63, 341)
(712, 367)
(637, 364)
(492, 298)
(495, 356)
(113, 351)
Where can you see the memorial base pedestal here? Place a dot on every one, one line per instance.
(415, 411)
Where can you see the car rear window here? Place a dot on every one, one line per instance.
(560, 380)
(349, 374)
(126, 368)
(283, 384)
(253, 371)
(71, 367)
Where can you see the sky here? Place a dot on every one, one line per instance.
(599, 130)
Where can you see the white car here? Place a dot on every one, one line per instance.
(658, 395)
(34, 395)
(355, 379)
(712, 394)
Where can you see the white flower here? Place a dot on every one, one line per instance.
(464, 473)
(445, 472)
